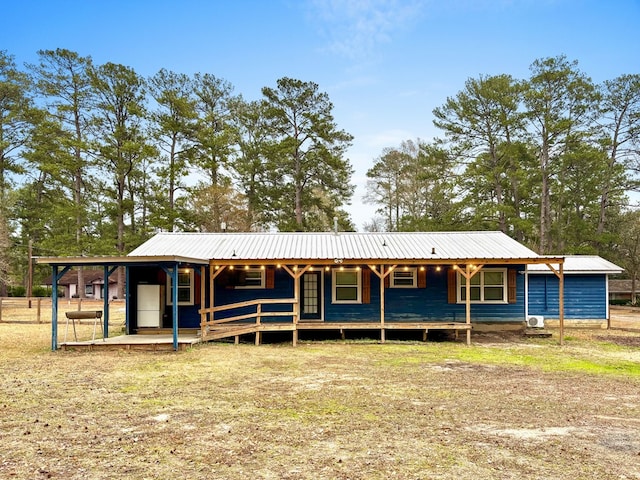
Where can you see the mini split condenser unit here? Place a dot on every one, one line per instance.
(535, 321)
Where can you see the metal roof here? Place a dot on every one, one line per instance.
(107, 260)
(342, 246)
(581, 264)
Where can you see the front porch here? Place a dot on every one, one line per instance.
(161, 341)
(236, 330)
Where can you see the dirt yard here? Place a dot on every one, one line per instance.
(505, 408)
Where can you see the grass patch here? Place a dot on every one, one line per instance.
(332, 410)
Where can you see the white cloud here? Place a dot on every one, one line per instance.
(353, 28)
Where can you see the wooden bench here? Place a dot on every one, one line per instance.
(96, 315)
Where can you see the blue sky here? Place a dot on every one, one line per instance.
(386, 64)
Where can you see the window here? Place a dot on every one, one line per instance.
(404, 278)
(346, 286)
(185, 287)
(88, 290)
(487, 286)
(251, 278)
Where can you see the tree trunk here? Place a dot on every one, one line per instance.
(120, 239)
(545, 198)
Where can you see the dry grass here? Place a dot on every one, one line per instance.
(38, 310)
(502, 408)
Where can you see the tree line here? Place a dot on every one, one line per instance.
(94, 159)
(552, 160)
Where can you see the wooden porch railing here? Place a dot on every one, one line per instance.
(210, 325)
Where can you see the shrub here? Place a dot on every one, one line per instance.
(17, 291)
(40, 291)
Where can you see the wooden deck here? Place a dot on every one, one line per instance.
(236, 330)
(155, 342)
(155, 339)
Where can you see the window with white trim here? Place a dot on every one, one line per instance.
(404, 278)
(251, 278)
(347, 285)
(185, 287)
(487, 286)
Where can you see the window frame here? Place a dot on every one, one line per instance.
(461, 286)
(358, 285)
(262, 284)
(414, 277)
(190, 286)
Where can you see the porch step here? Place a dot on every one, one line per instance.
(536, 333)
(226, 331)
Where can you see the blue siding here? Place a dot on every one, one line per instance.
(423, 304)
(283, 288)
(341, 312)
(584, 296)
(401, 304)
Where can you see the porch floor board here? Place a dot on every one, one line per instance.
(135, 342)
(386, 326)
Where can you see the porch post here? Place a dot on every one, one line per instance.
(54, 309)
(561, 302)
(105, 302)
(296, 305)
(174, 296)
(382, 292)
(468, 301)
(56, 275)
(203, 297)
(382, 275)
(127, 300)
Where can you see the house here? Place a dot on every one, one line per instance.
(586, 291)
(230, 284)
(93, 284)
(620, 291)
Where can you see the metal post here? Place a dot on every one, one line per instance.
(127, 301)
(105, 302)
(561, 302)
(54, 309)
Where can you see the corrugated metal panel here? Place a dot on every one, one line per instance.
(580, 264)
(329, 246)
